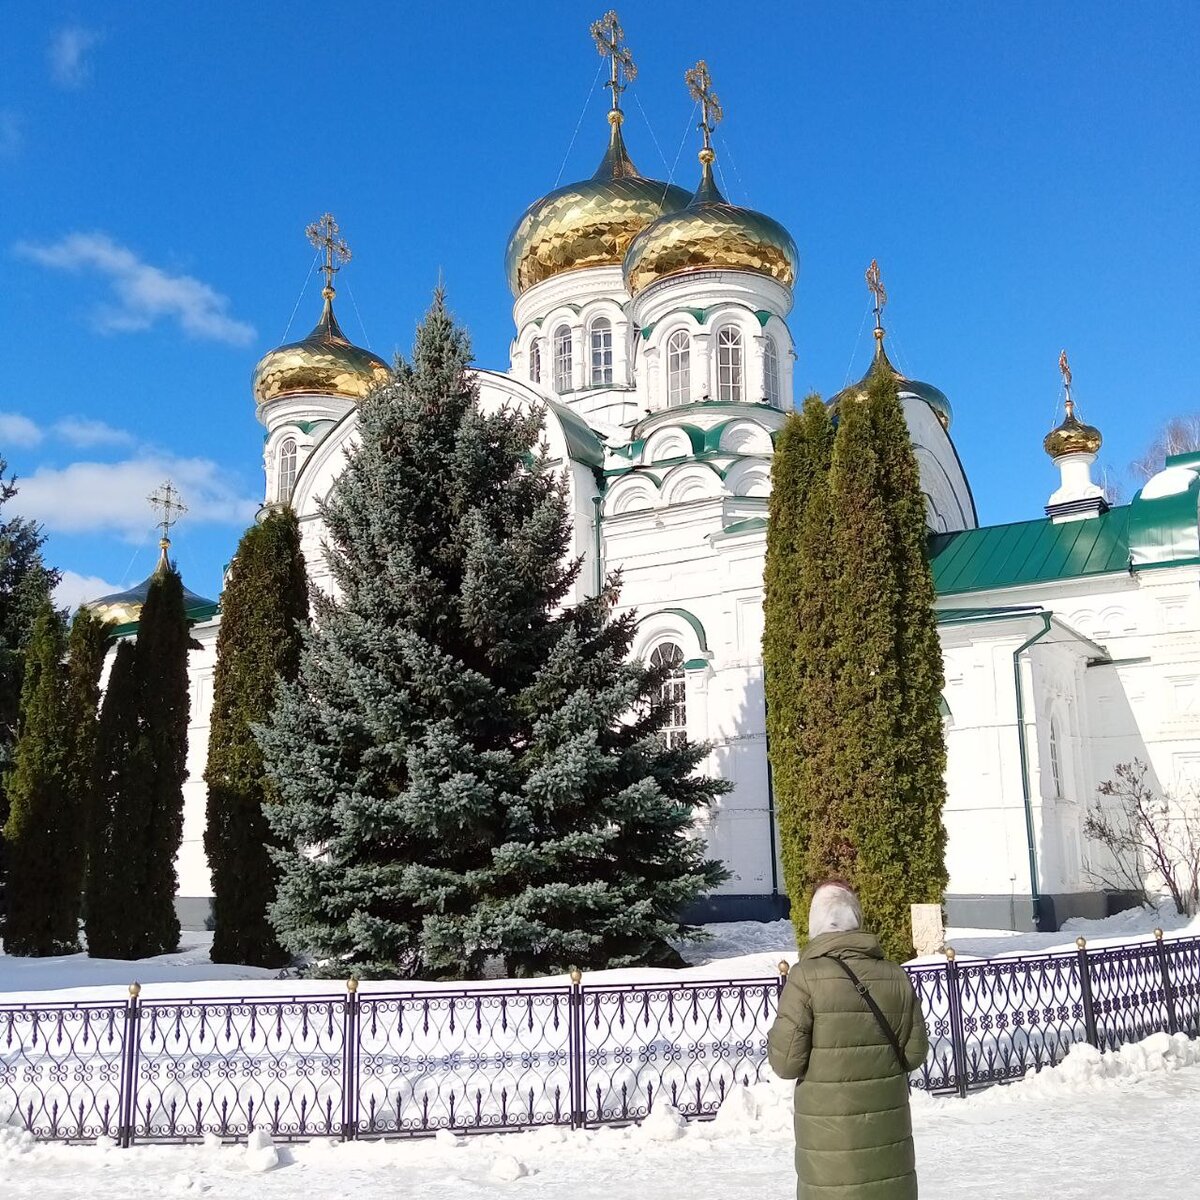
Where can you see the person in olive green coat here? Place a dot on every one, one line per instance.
(853, 1126)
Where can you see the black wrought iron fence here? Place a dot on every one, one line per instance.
(472, 1060)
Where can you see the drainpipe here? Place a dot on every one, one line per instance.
(1034, 890)
(597, 500)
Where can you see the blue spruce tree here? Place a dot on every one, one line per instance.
(468, 768)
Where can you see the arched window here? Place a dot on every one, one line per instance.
(602, 356)
(679, 368)
(287, 470)
(672, 692)
(562, 359)
(535, 361)
(771, 372)
(1055, 758)
(729, 364)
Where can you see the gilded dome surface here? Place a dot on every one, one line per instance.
(324, 362)
(1072, 436)
(934, 397)
(588, 224)
(125, 608)
(711, 234)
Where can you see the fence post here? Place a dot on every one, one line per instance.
(1168, 989)
(350, 1063)
(127, 1089)
(958, 1037)
(1085, 991)
(576, 1072)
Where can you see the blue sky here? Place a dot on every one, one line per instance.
(1026, 173)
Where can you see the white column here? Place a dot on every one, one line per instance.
(703, 374)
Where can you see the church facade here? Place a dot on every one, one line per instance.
(651, 327)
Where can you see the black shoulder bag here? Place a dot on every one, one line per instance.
(861, 989)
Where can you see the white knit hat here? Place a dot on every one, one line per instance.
(834, 909)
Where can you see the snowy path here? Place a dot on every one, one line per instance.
(1103, 1129)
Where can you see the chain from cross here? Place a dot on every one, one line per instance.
(323, 234)
(610, 43)
(167, 499)
(876, 288)
(699, 83)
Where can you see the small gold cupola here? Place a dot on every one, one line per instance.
(710, 233)
(1073, 446)
(591, 223)
(1072, 436)
(325, 362)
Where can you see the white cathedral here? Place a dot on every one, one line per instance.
(651, 326)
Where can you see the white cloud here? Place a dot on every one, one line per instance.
(84, 431)
(16, 430)
(73, 589)
(10, 133)
(144, 293)
(68, 54)
(92, 497)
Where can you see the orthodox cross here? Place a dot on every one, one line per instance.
(1065, 367)
(699, 84)
(167, 500)
(610, 42)
(876, 288)
(324, 235)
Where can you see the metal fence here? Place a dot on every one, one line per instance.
(405, 1063)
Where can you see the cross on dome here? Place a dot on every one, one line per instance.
(699, 83)
(323, 233)
(610, 42)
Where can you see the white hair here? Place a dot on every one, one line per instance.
(834, 909)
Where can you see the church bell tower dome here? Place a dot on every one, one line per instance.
(710, 233)
(591, 223)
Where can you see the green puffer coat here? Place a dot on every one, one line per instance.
(853, 1127)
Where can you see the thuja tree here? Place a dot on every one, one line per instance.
(43, 913)
(138, 802)
(467, 768)
(25, 586)
(887, 791)
(263, 609)
(800, 657)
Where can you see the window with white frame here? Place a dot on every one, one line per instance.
(672, 691)
(535, 361)
(602, 352)
(562, 359)
(287, 470)
(1056, 774)
(729, 364)
(771, 372)
(679, 368)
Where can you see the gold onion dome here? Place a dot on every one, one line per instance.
(1072, 436)
(881, 365)
(588, 224)
(125, 607)
(710, 234)
(325, 362)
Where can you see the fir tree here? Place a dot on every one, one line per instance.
(263, 608)
(883, 825)
(25, 586)
(119, 812)
(799, 656)
(458, 773)
(43, 905)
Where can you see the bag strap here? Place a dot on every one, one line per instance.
(884, 1024)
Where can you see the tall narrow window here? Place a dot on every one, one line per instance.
(535, 361)
(602, 356)
(287, 469)
(771, 372)
(679, 368)
(729, 364)
(672, 692)
(562, 359)
(1055, 758)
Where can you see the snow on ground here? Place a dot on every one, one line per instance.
(737, 950)
(1101, 1127)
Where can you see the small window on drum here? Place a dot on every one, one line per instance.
(562, 359)
(771, 372)
(729, 365)
(672, 692)
(602, 352)
(679, 368)
(287, 470)
(535, 362)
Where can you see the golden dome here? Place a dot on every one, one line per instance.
(588, 224)
(934, 397)
(711, 234)
(324, 362)
(1072, 436)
